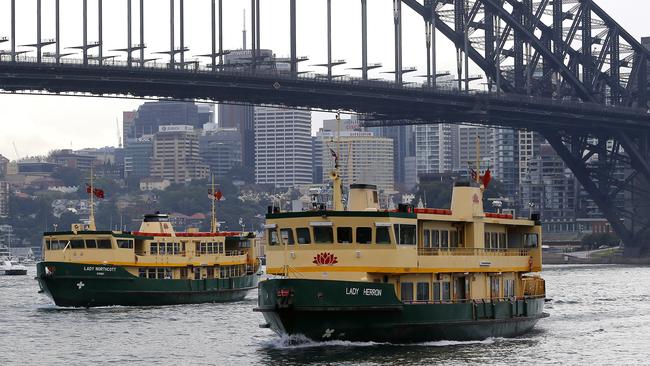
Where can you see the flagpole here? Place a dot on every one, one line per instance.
(91, 224)
(213, 223)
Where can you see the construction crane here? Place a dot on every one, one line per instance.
(119, 135)
(16, 150)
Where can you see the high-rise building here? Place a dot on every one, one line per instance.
(176, 154)
(137, 156)
(4, 199)
(283, 153)
(128, 120)
(403, 146)
(434, 148)
(549, 187)
(467, 147)
(242, 116)
(529, 146)
(505, 160)
(151, 115)
(4, 163)
(363, 158)
(221, 150)
(72, 159)
(317, 159)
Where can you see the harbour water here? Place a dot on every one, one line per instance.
(600, 315)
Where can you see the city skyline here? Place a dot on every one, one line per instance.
(62, 121)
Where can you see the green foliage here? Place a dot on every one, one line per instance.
(595, 240)
(69, 176)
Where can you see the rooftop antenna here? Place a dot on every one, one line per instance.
(244, 32)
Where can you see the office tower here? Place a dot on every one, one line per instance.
(283, 153)
(4, 199)
(363, 158)
(221, 150)
(137, 157)
(151, 115)
(434, 148)
(176, 154)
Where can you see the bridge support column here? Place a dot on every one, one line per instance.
(13, 30)
(364, 40)
(253, 35)
(85, 31)
(100, 32)
(397, 18)
(57, 30)
(329, 39)
(213, 35)
(220, 32)
(141, 33)
(182, 31)
(292, 31)
(38, 31)
(129, 41)
(171, 34)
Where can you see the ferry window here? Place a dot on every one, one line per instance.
(77, 244)
(406, 290)
(125, 243)
(273, 237)
(177, 248)
(444, 239)
(202, 248)
(183, 273)
(436, 291)
(422, 291)
(104, 244)
(287, 236)
(160, 274)
(494, 287)
(530, 240)
(503, 243)
(303, 236)
(168, 273)
(364, 235)
(142, 273)
(153, 247)
(406, 234)
(210, 273)
(454, 238)
(374, 197)
(427, 239)
(494, 239)
(91, 243)
(461, 236)
(344, 235)
(383, 235)
(56, 245)
(323, 235)
(446, 291)
(435, 238)
(508, 288)
(151, 273)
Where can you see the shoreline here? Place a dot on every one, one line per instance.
(562, 258)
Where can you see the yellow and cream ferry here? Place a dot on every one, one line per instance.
(155, 265)
(407, 275)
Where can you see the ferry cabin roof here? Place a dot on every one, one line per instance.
(351, 245)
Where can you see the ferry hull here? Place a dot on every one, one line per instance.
(79, 285)
(359, 311)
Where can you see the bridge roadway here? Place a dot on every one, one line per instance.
(383, 99)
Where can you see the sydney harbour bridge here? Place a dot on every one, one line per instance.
(563, 68)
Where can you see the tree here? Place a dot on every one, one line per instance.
(69, 176)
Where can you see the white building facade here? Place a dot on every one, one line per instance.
(283, 147)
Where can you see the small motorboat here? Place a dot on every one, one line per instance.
(12, 268)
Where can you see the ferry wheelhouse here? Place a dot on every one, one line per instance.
(406, 275)
(153, 266)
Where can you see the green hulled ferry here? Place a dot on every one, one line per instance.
(405, 275)
(153, 266)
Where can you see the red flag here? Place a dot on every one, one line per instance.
(486, 178)
(99, 193)
(218, 195)
(88, 189)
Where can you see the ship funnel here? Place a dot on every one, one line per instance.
(466, 201)
(156, 223)
(363, 197)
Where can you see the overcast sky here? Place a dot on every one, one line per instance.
(38, 124)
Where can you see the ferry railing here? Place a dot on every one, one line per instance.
(234, 253)
(510, 252)
(475, 301)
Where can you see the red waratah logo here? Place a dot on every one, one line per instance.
(325, 259)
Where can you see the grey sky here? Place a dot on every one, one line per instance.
(38, 124)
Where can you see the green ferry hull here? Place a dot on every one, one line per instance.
(324, 310)
(79, 285)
